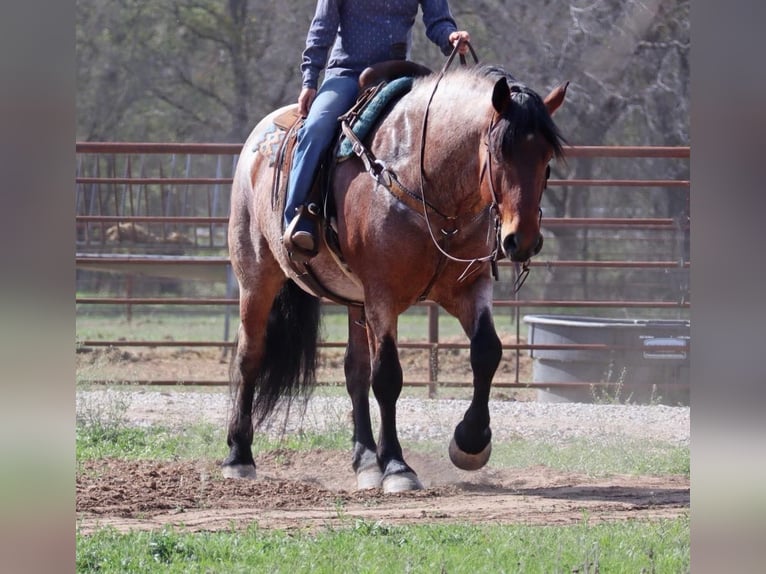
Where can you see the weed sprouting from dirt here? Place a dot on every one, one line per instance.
(605, 396)
(106, 414)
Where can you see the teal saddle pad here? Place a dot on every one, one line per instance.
(391, 92)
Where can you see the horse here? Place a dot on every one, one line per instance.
(452, 182)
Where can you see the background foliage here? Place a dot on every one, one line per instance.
(208, 70)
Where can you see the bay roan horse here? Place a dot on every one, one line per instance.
(469, 193)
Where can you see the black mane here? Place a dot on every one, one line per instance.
(526, 115)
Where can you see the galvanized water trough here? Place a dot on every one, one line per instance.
(604, 359)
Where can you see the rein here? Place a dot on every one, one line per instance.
(385, 177)
(492, 256)
(521, 269)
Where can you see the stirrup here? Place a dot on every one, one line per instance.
(291, 231)
(303, 241)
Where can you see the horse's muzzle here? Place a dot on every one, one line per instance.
(515, 250)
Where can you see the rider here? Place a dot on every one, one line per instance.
(360, 33)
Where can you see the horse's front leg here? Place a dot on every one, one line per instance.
(471, 444)
(387, 381)
(357, 370)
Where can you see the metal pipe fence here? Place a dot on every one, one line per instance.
(153, 209)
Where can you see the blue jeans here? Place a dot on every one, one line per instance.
(334, 98)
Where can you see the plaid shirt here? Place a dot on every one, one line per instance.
(364, 32)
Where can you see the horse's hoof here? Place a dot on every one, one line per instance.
(370, 477)
(468, 461)
(238, 471)
(401, 482)
(368, 473)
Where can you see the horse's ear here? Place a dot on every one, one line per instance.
(501, 95)
(554, 100)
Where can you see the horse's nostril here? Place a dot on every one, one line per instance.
(509, 244)
(516, 250)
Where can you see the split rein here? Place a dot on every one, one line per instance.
(492, 256)
(521, 269)
(385, 177)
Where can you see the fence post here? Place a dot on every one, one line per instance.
(129, 296)
(98, 186)
(433, 354)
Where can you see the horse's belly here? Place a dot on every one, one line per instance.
(328, 279)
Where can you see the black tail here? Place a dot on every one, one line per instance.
(288, 367)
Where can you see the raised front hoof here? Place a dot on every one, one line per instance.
(468, 461)
(238, 471)
(401, 482)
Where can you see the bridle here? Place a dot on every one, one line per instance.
(521, 268)
(385, 177)
(492, 208)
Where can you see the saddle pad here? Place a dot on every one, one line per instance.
(370, 115)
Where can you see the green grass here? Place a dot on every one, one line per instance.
(200, 441)
(626, 456)
(590, 457)
(155, 442)
(109, 322)
(158, 322)
(102, 431)
(152, 324)
(207, 441)
(362, 546)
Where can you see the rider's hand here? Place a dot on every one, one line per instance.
(463, 38)
(305, 99)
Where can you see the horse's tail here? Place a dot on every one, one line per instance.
(288, 366)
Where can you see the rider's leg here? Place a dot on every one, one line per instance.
(334, 98)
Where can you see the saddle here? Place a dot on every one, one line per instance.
(380, 86)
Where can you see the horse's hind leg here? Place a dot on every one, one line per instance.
(255, 303)
(357, 370)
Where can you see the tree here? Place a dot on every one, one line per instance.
(188, 70)
(628, 64)
(208, 70)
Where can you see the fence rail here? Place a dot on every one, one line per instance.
(677, 152)
(117, 192)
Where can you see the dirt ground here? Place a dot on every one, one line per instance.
(306, 490)
(316, 489)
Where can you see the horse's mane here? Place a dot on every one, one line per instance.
(528, 114)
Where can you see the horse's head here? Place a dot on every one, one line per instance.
(522, 141)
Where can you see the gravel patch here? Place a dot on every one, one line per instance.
(418, 419)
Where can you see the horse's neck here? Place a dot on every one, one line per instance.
(450, 152)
